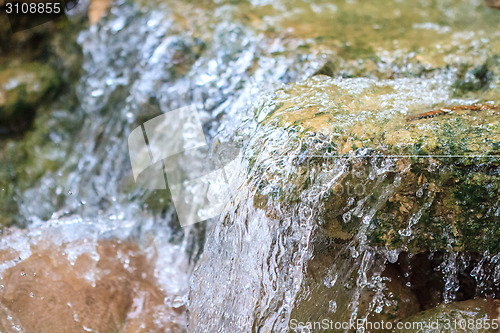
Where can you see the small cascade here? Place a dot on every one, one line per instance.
(331, 220)
(347, 205)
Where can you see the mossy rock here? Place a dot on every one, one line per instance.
(417, 184)
(478, 315)
(22, 89)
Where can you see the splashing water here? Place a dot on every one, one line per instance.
(138, 63)
(275, 253)
(300, 233)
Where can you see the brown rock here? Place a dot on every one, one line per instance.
(97, 9)
(475, 315)
(492, 3)
(109, 288)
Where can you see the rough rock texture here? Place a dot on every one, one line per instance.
(107, 286)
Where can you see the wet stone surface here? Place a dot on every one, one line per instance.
(479, 315)
(318, 162)
(427, 183)
(110, 287)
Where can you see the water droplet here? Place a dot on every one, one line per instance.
(405, 233)
(392, 255)
(118, 24)
(97, 93)
(347, 216)
(330, 280)
(332, 306)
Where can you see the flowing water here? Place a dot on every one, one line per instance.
(277, 255)
(137, 64)
(268, 256)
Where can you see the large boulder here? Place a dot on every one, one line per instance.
(382, 175)
(346, 164)
(472, 316)
(86, 285)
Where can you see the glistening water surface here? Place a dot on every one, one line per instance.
(325, 223)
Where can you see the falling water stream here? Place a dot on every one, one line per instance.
(298, 235)
(274, 255)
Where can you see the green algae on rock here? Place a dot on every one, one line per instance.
(425, 184)
(22, 89)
